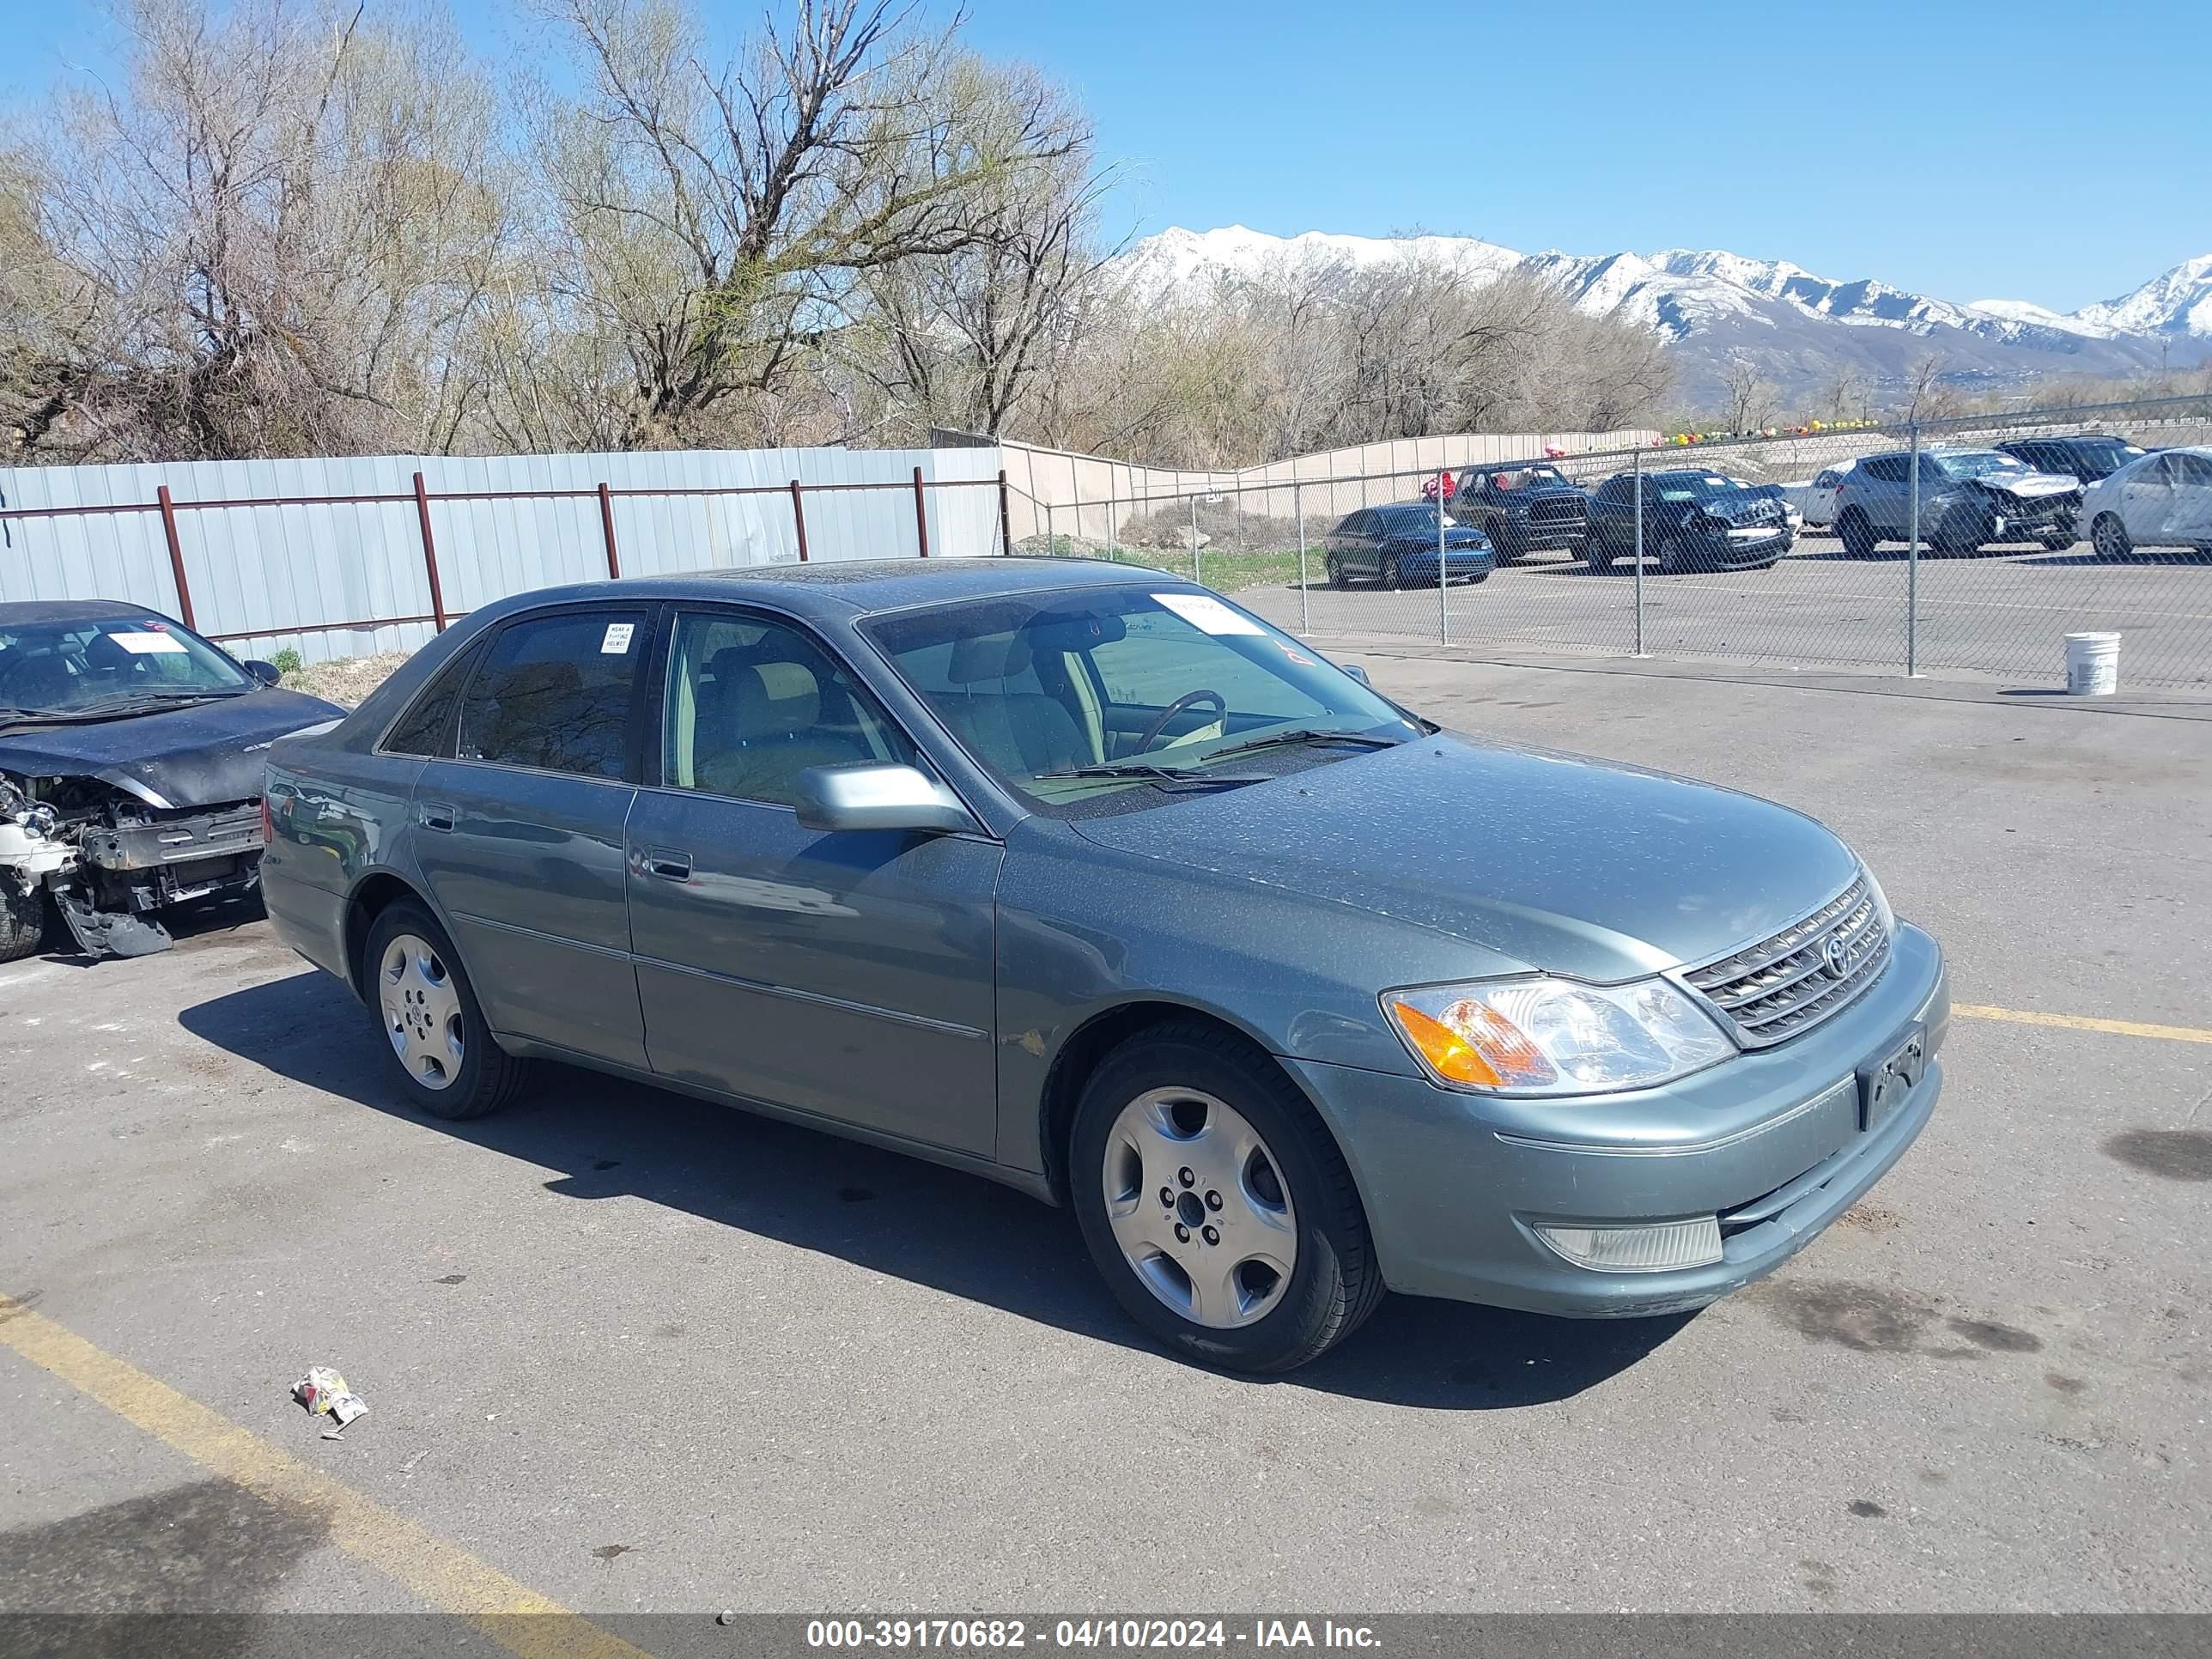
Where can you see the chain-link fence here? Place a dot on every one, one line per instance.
(1967, 547)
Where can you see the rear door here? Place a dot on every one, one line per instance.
(1354, 543)
(518, 832)
(2189, 510)
(852, 976)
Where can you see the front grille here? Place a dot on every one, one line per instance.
(1774, 990)
(1555, 512)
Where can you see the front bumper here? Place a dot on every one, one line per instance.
(1459, 562)
(1724, 551)
(1770, 1141)
(1545, 534)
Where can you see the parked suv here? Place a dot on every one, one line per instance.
(1523, 506)
(1693, 519)
(2084, 456)
(1969, 499)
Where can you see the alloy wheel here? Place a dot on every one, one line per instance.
(1200, 1208)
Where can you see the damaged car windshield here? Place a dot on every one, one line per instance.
(1980, 463)
(1113, 699)
(86, 665)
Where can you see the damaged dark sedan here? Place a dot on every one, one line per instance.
(130, 756)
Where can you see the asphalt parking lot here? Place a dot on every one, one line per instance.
(628, 1352)
(2000, 616)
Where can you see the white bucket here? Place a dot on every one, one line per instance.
(2093, 664)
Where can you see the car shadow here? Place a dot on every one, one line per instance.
(2141, 555)
(887, 1212)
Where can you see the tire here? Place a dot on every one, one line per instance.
(1673, 560)
(1387, 573)
(2109, 537)
(1154, 1103)
(428, 1014)
(2055, 543)
(23, 923)
(1334, 568)
(1856, 533)
(1599, 559)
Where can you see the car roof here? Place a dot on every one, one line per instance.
(24, 611)
(2068, 438)
(849, 587)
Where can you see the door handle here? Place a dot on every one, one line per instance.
(437, 817)
(668, 864)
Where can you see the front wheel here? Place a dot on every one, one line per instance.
(1216, 1205)
(1388, 572)
(1856, 531)
(23, 923)
(1334, 568)
(422, 1002)
(1598, 558)
(2110, 536)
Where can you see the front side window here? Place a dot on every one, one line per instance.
(753, 703)
(555, 692)
(1097, 700)
(2192, 471)
(91, 665)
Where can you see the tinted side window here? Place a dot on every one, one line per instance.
(2192, 471)
(1611, 490)
(555, 693)
(426, 728)
(1885, 469)
(752, 703)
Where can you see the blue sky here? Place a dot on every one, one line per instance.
(1968, 149)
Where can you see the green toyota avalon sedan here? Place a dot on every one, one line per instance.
(1085, 879)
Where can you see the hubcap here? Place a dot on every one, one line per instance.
(1199, 1207)
(422, 1011)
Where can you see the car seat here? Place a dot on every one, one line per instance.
(763, 727)
(1018, 733)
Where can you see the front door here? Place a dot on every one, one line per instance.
(519, 833)
(850, 974)
(2189, 516)
(2146, 501)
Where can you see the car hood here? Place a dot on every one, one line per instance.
(203, 754)
(2028, 486)
(1740, 506)
(1575, 866)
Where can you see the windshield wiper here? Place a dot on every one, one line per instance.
(1151, 772)
(1307, 734)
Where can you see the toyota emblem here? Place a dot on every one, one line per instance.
(1835, 957)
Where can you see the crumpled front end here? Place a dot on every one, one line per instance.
(110, 861)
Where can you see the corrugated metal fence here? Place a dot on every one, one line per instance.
(341, 558)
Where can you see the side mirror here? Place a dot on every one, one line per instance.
(1357, 673)
(267, 672)
(873, 797)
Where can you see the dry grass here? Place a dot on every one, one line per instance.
(345, 680)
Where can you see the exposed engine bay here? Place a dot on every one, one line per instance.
(109, 861)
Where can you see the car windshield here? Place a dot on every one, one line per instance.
(82, 665)
(1113, 699)
(2102, 455)
(1408, 520)
(1978, 463)
(1698, 487)
(1525, 478)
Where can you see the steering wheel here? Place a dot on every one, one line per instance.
(1188, 700)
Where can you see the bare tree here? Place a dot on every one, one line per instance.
(1747, 397)
(271, 238)
(711, 223)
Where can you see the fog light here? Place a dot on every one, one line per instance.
(1649, 1246)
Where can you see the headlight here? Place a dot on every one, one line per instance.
(1553, 1036)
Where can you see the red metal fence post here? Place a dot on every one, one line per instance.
(429, 553)
(176, 556)
(1006, 519)
(799, 520)
(607, 526)
(920, 515)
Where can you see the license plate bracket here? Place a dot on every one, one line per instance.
(1888, 1080)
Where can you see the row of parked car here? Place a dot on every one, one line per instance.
(2045, 492)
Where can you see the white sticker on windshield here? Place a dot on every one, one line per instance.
(1203, 610)
(149, 645)
(618, 639)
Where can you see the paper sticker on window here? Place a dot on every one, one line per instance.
(617, 639)
(1203, 610)
(149, 645)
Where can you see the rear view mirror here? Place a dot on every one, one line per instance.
(834, 797)
(1357, 673)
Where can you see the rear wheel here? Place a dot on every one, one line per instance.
(1334, 567)
(23, 923)
(1674, 556)
(1856, 532)
(1598, 557)
(2110, 536)
(422, 999)
(1216, 1205)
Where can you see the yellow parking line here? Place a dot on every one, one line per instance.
(447, 1577)
(2084, 1023)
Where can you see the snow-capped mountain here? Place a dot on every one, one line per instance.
(1802, 329)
